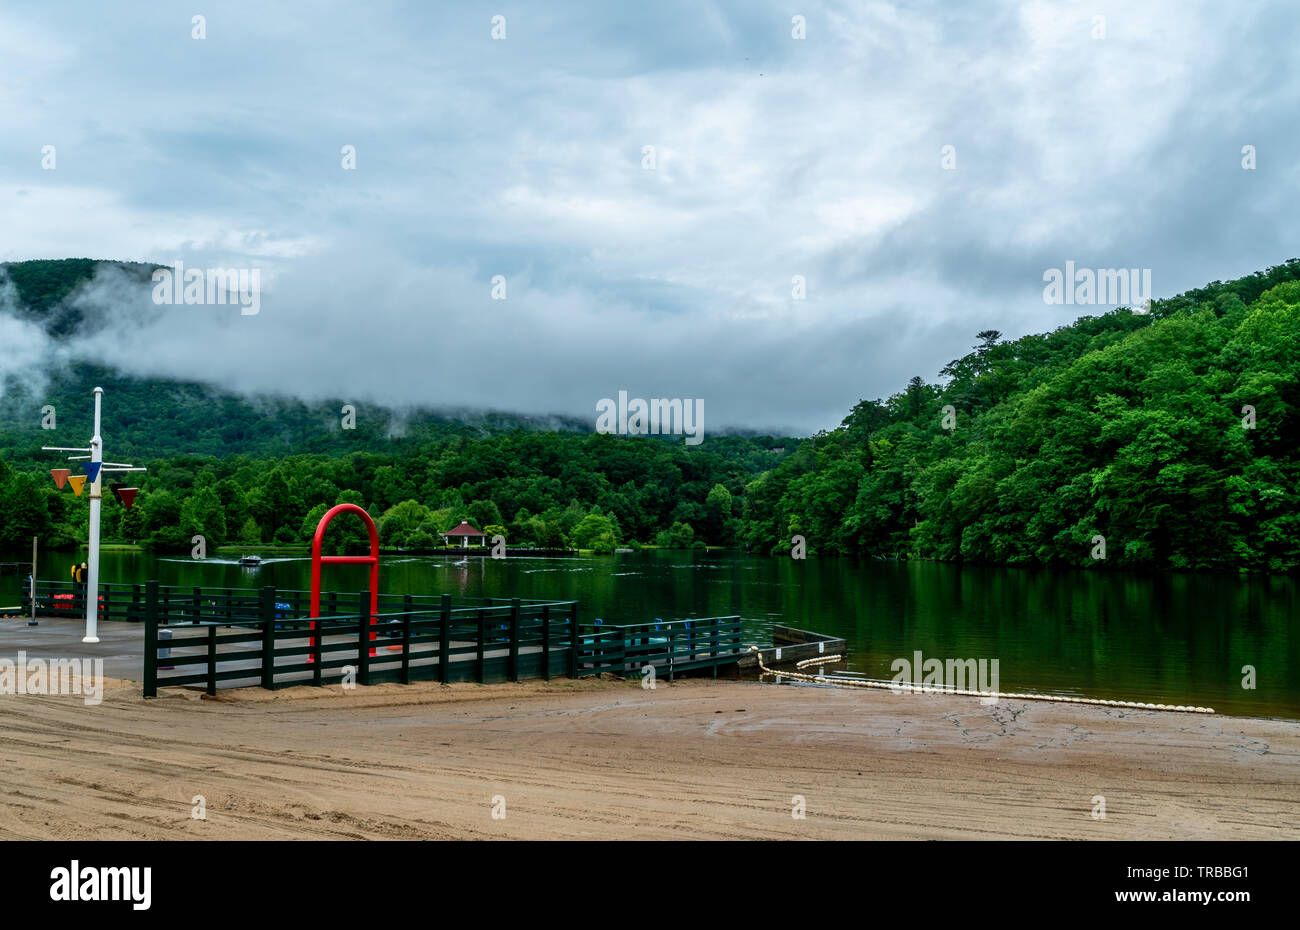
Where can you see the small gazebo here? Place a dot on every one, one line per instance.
(461, 535)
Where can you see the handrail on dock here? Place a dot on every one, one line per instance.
(228, 637)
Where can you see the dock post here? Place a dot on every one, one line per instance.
(316, 644)
(444, 641)
(713, 651)
(151, 639)
(268, 637)
(406, 648)
(212, 660)
(482, 635)
(514, 639)
(546, 644)
(575, 641)
(363, 653)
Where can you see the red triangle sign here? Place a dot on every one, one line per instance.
(127, 496)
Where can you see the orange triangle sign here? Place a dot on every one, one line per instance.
(60, 476)
(77, 481)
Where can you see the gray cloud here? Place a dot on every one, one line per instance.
(522, 158)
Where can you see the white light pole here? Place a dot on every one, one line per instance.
(32, 579)
(96, 458)
(92, 562)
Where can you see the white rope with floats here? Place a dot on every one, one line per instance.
(905, 688)
(815, 660)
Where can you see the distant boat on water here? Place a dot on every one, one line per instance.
(251, 561)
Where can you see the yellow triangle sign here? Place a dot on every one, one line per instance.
(77, 481)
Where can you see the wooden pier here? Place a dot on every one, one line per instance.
(235, 637)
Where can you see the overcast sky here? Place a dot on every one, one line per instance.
(524, 157)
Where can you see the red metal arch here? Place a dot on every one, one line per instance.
(372, 560)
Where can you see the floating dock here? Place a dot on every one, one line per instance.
(789, 646)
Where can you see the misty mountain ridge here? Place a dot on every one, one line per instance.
(48, 300)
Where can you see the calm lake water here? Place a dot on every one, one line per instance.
(1179, 639)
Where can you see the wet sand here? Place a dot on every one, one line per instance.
(608, 760)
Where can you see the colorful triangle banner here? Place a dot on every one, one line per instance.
(125, 496)
(60, 476)
(92, 470)
(77, 481)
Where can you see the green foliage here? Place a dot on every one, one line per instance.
(678, 536)
(596, 531)
(635, 484)
(250, 534)
(1127, 426)
(1123, 425)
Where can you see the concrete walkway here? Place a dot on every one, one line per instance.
(121, 645)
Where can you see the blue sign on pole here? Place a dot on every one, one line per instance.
(92, 470)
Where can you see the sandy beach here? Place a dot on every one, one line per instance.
(607, 760)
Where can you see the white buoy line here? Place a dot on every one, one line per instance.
(905, 688)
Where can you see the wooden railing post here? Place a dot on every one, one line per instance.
(513, 673)
(151, 639)
(713, 647)
(316, 652)
(546, 644)
(212, 660)
(406, 648)
(268, 637)
(575, 641)
(363, 640)
(482, 637)
(622, 650)
(444, 641)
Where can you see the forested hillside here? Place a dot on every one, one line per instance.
(1171, 434)
(263, 470)
(538, 488)
(1127, 426)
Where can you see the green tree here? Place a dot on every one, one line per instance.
(678, 536)
(250, 534)
(717, 516)
(202, 514)
(595, 531)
